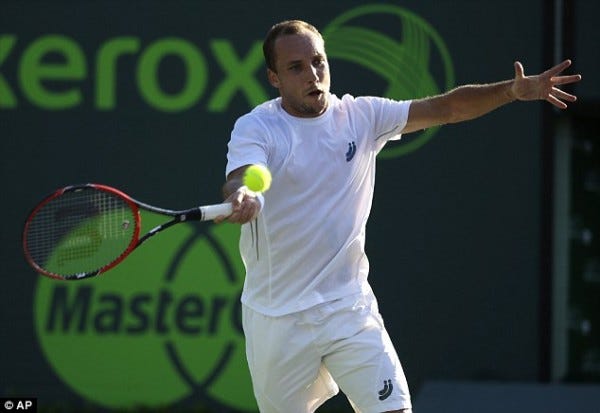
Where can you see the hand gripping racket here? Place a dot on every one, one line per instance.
(81, 231)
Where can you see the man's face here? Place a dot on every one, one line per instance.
(302, 74)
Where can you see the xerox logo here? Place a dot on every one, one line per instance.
(173, 74)
(53, 69)
(163, 327)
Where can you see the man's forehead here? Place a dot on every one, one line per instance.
(299, 45)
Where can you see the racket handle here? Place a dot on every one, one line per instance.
(210, 212)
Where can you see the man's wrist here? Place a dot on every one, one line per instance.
(509, 91)
(259, 196)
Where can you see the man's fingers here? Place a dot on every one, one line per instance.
(559, 67)
(519, 71)
(561, 94)
(563, 80)
(244, 208)
(557, 98)
(556, 102)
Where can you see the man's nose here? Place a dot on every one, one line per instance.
(313, 73)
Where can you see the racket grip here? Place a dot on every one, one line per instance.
(210, 212)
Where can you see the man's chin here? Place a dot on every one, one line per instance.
(310, 108)
(318, 105)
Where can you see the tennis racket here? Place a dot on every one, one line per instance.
(81, 231)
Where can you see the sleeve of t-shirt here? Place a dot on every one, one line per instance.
(386, 118)
(247, 145)
(389, 117)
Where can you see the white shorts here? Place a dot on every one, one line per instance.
(297, 361)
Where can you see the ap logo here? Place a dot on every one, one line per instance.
(410, 62)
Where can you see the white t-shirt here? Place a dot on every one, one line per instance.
(307, 245)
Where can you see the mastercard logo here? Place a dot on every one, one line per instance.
(162, 328)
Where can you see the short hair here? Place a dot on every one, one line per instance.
(284, 28)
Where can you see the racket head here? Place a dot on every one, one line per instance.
(81, 231)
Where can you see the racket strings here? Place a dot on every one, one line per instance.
(80, 232)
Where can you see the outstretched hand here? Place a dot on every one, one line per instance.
(544, 85)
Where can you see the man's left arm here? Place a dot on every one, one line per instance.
(472, 101)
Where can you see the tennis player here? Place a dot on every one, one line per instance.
(311, 322)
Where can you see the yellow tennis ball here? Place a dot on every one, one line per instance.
(257, 178)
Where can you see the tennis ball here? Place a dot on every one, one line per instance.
(257, 178)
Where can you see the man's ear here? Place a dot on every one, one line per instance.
(273, 78)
